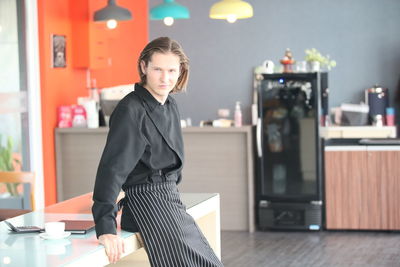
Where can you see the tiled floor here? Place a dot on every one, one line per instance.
(325, 248)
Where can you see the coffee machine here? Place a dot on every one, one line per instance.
(110, 97)
(377, 98)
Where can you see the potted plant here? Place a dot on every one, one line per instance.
(7, 163)
(316, 60)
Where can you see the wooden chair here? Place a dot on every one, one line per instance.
(28, 200)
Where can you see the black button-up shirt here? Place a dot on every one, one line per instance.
(144, 139)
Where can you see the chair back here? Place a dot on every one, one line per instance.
(28, 181)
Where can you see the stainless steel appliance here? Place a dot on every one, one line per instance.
(110, 97)
(377, 98)
(291, 106)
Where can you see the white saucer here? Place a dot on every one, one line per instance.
(46, 236)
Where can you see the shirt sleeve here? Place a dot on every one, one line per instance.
(124, 147)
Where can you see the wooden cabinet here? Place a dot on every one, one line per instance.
(90, 47)
(362, 187)
(97, 52)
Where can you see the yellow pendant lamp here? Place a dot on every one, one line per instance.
(231, 10)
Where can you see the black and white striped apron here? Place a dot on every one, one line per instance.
(171, 236)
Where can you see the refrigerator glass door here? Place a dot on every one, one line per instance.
(289, 114)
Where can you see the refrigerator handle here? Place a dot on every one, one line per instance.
(258, 138)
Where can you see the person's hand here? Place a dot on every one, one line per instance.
(114, 246)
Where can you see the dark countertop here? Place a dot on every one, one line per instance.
(362, 141)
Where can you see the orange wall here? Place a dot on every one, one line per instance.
(125, 44)
(62, 86)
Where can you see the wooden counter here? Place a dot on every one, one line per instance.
(362, 188)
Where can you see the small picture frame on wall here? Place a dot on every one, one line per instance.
(58, 43)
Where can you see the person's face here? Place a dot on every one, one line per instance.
(162, 73)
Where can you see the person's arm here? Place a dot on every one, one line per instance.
(113, 245)
(125, 145)
(178, 118)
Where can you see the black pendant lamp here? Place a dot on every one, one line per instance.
(112, 13)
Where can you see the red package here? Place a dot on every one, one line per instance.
(64, 117)
(78, 116)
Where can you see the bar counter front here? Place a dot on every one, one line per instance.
(29, 249)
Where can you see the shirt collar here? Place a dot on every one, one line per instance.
(148, 97)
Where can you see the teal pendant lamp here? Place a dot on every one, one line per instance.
(168, 11)
(112, 13)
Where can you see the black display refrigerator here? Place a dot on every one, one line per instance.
(290, 109)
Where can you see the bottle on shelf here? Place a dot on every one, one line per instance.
(94, 92)
(238, 115)
(92, 106)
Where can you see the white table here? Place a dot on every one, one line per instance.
(83, 250)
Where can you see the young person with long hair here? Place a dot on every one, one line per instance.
(143, 155)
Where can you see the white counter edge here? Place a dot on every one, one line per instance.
(243, 129)
(362, 148)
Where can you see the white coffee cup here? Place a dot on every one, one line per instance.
(54, 228)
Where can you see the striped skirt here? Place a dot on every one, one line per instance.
(171, 236)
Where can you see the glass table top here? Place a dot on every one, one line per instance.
(29, 249)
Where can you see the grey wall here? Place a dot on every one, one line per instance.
(361, 35)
